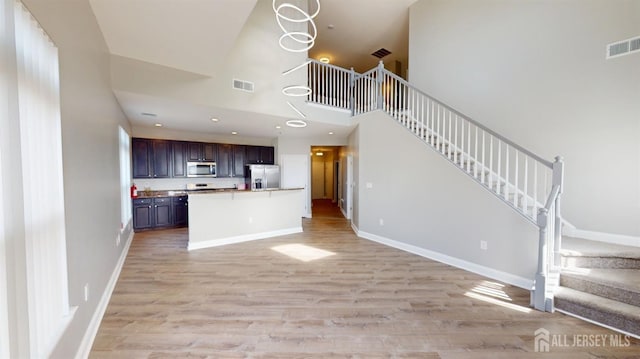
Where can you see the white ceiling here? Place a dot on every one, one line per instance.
(190, 35)
(361, 27)
(199, 35)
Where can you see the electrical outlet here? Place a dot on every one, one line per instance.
(381, 222)
(86, 292)
(369, 185)
(483, 245)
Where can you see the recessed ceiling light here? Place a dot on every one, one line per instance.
(331, 27)
(296, 123)
(324, 59)
(213, 119)
(234, 133)
(158, 125)
(319, 154)
(278, 127)
(331, 133)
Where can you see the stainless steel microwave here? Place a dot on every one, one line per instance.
(201, 169)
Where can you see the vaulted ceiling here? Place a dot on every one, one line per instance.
(176, 59)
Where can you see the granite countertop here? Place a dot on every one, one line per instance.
(183, 192)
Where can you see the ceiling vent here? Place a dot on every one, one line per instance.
(622, 48)
(381, 53)
(243, 85)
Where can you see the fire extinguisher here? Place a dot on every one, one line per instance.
(134, 191)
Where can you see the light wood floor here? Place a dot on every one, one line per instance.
(364, 301)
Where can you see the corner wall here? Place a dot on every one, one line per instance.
(535, 72)
(90, 149)
(409, 194)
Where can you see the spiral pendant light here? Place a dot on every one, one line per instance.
(295, 24)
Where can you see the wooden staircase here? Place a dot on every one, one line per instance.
(600, 282)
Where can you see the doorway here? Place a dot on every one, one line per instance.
(327, 179)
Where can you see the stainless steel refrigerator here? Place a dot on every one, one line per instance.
(263, 177)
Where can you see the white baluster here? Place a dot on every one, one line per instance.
(449, 141)
(535, 189)
(475, 154)
(490, 161)
(506, 172)
(526, 182)
(483, 160)
(498, 184)
(515, 173)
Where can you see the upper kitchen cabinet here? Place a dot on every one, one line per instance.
(179, 158)
(151, 158)
(231, 160)
(239, 160)
(141, 157)
(198, 151)
(161, 159)
(260, 155)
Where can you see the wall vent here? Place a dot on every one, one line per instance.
(382, 52)
(624, 47)
(243, 85)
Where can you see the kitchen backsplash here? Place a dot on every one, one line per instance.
(167, 184)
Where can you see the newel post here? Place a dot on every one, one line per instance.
(538, 297)
(379, 81)
(558, 180)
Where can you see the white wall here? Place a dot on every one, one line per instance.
(425, 201)
(90, 145)
(536, 72)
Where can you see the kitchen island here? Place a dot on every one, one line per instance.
(223, 217)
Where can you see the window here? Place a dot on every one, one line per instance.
(125, 178)
(38, 92)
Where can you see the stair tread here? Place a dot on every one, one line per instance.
(627, 279)
(578, 247)
(600, 303)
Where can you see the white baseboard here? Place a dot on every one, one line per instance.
(355, 229)
(96, 319)
(509, 278)
(344, 213)
(243, 238)
(603, 237)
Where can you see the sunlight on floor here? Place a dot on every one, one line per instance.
(302, 252)
(492, 292)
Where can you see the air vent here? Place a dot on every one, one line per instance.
(381, 53)
(622, 48)
(243, 85)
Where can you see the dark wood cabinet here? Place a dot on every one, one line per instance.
(142, 213)
(263, 155)
(198, 151)
(150, 158)
(180, 211)
(160, 212)
(179, 158)
(239, 160)
(153, 158)
(141, 157)
(225, 162)
(161, 166)
(162, 208)
(231, 160)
